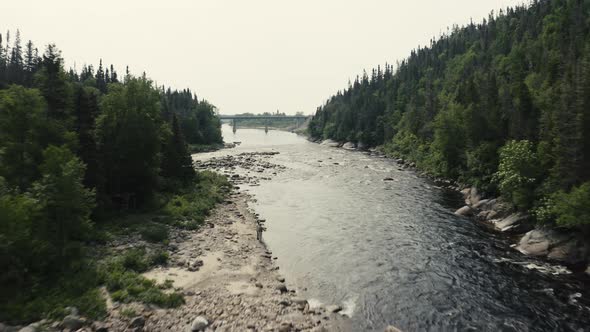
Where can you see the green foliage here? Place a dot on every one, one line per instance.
(122, 277)
(66, 137)
(129, 139)
(153, 232)
(64, 202)
(521, 75)
(21, 126)
(568, 209)
(518, 172)
(193, 204)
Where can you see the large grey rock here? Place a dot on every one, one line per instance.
(514, 223)
(72, 322)
(330, 143)
(472, 197)
(199, 324)
(562, 246)
(361, 146)
(485, 204)
(535, 243)
(349, 146)
(574, 251)
(464, 211)
(588, 270)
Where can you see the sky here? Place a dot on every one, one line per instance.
(243, 56)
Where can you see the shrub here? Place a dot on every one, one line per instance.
(567, 209)
(518, 173)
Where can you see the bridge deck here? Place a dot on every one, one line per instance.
(247, 117)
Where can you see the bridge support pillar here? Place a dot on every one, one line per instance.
(235, 125)
(266, 126)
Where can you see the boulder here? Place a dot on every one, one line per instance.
(199, 324)
(349, 146)
(485, 204)
(561, 246)
(472, 197)
(330, 143)
(464, 211)
(588, 270)
(574, 251)
(361, 146)
(514, 223)
(534, 243)
(72, 322)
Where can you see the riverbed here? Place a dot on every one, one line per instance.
(393, 252)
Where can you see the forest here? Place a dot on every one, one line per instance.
(503, 105)
(79, 150)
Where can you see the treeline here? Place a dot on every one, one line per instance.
(503, 105)
(77, 147)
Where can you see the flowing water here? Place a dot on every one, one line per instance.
(392, 252)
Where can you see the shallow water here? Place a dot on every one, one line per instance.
(392, 252)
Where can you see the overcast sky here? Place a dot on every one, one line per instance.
(242, 55)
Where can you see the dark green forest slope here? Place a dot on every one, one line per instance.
(503, 105)
(77, 150)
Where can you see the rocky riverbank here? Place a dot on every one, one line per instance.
(230, 281)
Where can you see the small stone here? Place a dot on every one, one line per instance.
(282, 288)
(199, 324)
(286, 327)
(280, 279)
(333, 308)
(198, 263)
(259, 285)
(392, 328)
(285, 302)
(137, 322)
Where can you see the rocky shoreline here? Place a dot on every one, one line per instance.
(229, 279)
(562, 246)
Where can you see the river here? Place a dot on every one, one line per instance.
(393, 252)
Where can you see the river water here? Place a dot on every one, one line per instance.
(393, 252)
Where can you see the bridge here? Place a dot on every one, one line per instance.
(299, 119)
